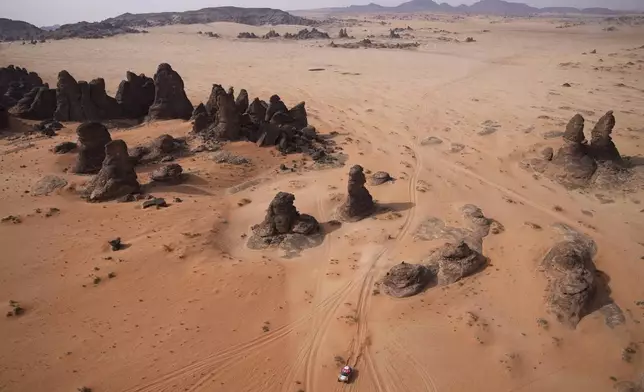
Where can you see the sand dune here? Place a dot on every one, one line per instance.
(190, 308)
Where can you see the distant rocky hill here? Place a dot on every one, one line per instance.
(486, 7)
(11, 30)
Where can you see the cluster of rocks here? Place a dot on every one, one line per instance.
(367, 43)
(344, 35)
(308, 34)
(163, 148)
(226, 118)
(578, 163)
(138, 96)
(15, 82)
(247, 35)
(394, 35)
(359, 204)
(446, 265)
(116, 177)
(210, 34)
(283, 225)
(271, 34)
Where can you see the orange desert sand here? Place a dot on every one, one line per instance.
(191, 308)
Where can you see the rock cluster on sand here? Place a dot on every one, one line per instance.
(92, 139)
(308, 34)
(405, 280)
(359, 203)
(38, 104)
(571, 284)
(343, 34)
(116, 177)
(379, 178)
(247, 35)
(455, 261)
(15, 82)
(284, 223)
(170, 100)
(162, 149)
(580, 164)
(171, 174)
(271, 34)
(367, 43)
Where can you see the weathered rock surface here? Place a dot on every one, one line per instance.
(275, 105)
(65, 147)
(4, 118)
(242, 102)
(455, 261)
(380, 178)
(405, 280)
(135, 95)
(227, 126)
(106, 107)
(68, 98)
(15, 82)
(47, 185)
(38, 104)
(284, 223)
(359, 203)
(162, 148)
(308, 34)
(116, 177)
(602, 147)
(171, 174)
(92, 138)
(170, 100)
(571, 284)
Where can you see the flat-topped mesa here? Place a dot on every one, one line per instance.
(117, 176)
(92, 139)
(283, 218)
(135, 95)
(170, 100)
(602, 147)
(359, 203)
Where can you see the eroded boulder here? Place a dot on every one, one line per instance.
(92, 139)
(116, 177)
(135, 95)
(68, 99)
(405, 280)
(359, 203)
(455, 261)
(38, 104)
(602, 147)
(162, 148)
(170, 174)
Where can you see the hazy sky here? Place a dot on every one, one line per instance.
(49, 12)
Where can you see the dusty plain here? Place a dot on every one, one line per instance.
(190, 308)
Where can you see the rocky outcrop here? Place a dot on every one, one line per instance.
(455, 261)
(571, 284)
(226, 126)
(247, 35)
(271, 34)
(38, 104)
(169, 174)
(135, 95)
(602, 147)
(170, 100)
(116, 177)
(284, 223)
(92, 139)
(15, 82)
(68, 98)
(359, 203)
(200, 119)
(308, 34)
(577, 164)
(163, 148)
(343, 34)
(275, 105)
(107, 107)
(242, 102)
(4, 118)
(379, 178)
(257, 111)
(405, 280)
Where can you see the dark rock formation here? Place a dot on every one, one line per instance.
(405, 280)
(162, 148)
(15, 82)
(570, 272)
(227, 126)
(4, 118)
(275, 105)
(308, 34)
(257, 111)
(343, 34)
(212, 105)
(271, 34)
(242, 101)
(575, 130)
(107, 107)
(572, 164)
(283, 222)
(393, 34)
(170, 100)
(171, 174)
(65, 147)
(92, 138)
(200, 119)
(68, 98)
(602, 147)
(49, 127)
(454, 262)
(359, 203)
(116, 177)
(38, 104)
(298, 116)
(380, 178)
(135, 95)
(247, 35)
